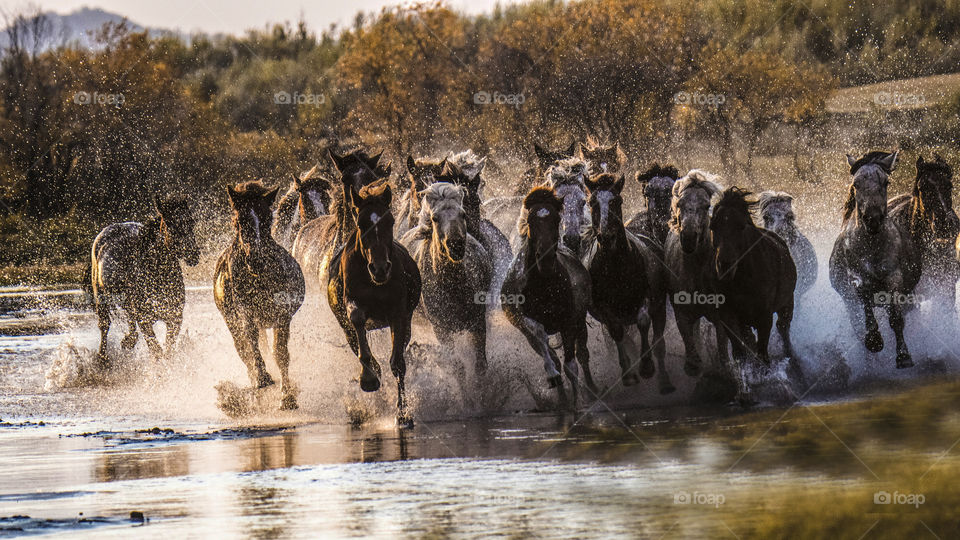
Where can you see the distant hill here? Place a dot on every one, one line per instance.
(80, 27)
(901, 94)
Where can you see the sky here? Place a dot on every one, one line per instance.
(236, 16)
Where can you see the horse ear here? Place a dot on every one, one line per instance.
(480, 165)
(339, 161)
(851, 160)
(890, 161)
(296, 181)
(542, 154)
(373, 161)
(387, 196)
(231, 191)
(618, 185)
(574, 148)
(271, 195)
(920, 161)
(411, 164)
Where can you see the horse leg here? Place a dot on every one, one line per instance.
(570, 363)
(245, 340)
(538, 339)
(895, 313)
(103, 322)
(646, 362)
(583, 356)
(873, 341)
(689, 334)
(370, 369)
(400, 335)
(478, 337)
(146, 326)
(794, 371)
(658, 316)
(129, 341)
(173, 331)
(738, 361)
(617, 332)
(763, 338)
(281, 354)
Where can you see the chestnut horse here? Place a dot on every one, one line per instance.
(258, 285)
(374, 283)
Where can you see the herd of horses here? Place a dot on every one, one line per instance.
(556, 252)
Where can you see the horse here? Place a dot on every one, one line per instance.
(874, 261)
(566, 179)
(135, 268)
(602, 158)
(628, 280)
(657, 185)
(776, 213)
(258, 285)
(455, 268)
(757, 278)
(317, 240)
(927, 212)
(545, 159)
(307, 199)
(555, 288)
(373, 283)
(420, 174)
(689, 254)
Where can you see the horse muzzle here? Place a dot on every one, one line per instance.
(455, 248)
(572, 242)
(379, 273)
(688, 241)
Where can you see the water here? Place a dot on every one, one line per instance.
(83, 451)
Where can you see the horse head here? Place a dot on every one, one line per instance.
(934, 187)
(868, 191)
(540, 226)
(566, 179)
(732, 231)
(690, 207)
(357, 169)
(547, 158)
(421, 173)
(371, 208)
(776, 211)
(470, 166)
(252, 216)
(656, 184)
(314, 195)
(443, 213)
(603, 158)
(177, 225)
(606, 205)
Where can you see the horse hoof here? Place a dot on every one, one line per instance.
(264, 380)
(904, 360)
(288, 403)
(874, 341)
(404, 421)
(692, 369)
(667, 389)
(369, 382)
(555, 382)
(647, 369)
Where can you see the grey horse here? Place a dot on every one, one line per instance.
(777, 215)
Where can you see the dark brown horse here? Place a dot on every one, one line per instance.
(258, 285)
(603, 158)
(136, 268)
(627, 279)
(874, 261)
(927, 212)
(757, 278)
(374, 283)
(657, 185)
(545, 159)
(307, 199)
(555, 291)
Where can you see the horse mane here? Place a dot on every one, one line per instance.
(435, 196)
(251, 188)
(698, 178)
(376, 190)
(870, 157)
(538, 195)
(767, 198)
(736, 198)
(566, 171)
(850, 205)
(667, 171)
(602, 182)
(469, 163)
(310, 174)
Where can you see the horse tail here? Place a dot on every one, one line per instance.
(86, 283)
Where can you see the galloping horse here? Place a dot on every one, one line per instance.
(420, 174)
(374, 283)
(627, 279)
(455, 268)
(874, 261)
(757, 277)
(566, 179)
(927, 212)
(657, 185)
(555, 288)
(258, 285)
(776, 212)
(307, 199)
(689, 255)
(136, 268)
